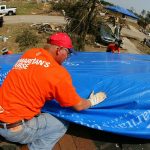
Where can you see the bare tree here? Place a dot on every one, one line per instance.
(143, 12)
(81, 17)
(144, 19)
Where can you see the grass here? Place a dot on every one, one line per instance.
(11, 32)
(28, 8)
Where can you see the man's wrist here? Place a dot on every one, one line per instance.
(93, 101)
(90, 100)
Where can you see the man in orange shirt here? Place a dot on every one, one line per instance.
(36, 77)
(112, 47)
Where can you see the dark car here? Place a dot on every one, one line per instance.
(105, 35)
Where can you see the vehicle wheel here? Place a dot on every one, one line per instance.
(10, 13)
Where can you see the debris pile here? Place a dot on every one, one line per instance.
(47, 28)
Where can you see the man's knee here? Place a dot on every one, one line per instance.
(57, 123)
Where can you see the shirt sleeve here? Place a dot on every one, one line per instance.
(65, 93)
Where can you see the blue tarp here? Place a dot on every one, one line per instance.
(124, 77)
(121, 10)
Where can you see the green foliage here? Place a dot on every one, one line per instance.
(62, 5)
(27, 39)
(106, 3)
(141, 22)
(82, 19)
(77, 42)
(76, 16)
(27, 8)
(144, 19)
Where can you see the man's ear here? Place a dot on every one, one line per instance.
(57, 50)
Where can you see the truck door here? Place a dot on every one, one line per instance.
(3, 9)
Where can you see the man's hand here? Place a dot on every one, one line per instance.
(96, 98)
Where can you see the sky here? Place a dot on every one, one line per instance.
(138, 5)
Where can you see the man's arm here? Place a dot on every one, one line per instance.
(94, 99)
(72, 99)
(83, 104)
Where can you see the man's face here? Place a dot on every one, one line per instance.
(62, 54)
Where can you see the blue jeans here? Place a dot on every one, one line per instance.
(39, 133)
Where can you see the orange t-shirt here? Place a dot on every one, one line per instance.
(35, 78)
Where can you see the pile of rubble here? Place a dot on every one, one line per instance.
(48, 28)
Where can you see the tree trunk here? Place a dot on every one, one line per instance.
(86, 27)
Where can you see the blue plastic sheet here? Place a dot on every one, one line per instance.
(121, 10)
(124, 77)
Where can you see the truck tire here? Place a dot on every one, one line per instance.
(10, 13)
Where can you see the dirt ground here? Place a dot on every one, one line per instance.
(12, 30)
(144, 49)
(101, 48)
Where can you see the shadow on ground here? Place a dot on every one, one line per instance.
(109, 141)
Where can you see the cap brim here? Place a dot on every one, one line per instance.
(72, 50)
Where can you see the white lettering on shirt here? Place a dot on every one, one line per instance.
(24, 63)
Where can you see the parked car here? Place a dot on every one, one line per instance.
(105, 35)
(7, 11)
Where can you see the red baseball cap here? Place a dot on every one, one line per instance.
(61, 39)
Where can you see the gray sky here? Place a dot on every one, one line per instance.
(138, 5)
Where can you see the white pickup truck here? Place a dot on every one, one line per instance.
(7, 11)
